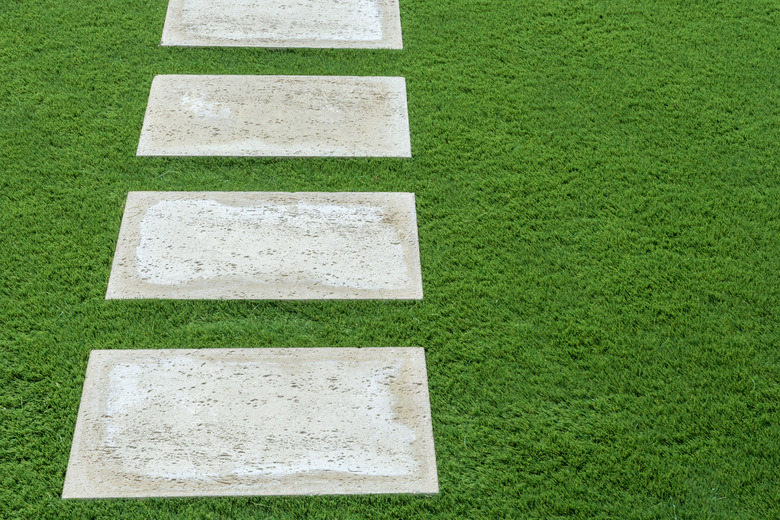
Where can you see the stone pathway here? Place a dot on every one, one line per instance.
(277, 116)
(253, 422)
(213, 422)
(255, 245)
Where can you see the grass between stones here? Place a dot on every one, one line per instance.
(597, 190)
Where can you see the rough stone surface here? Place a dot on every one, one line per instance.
(264, 245)
(253, 422)
(367, 24)
(276, 116)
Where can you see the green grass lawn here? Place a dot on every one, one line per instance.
(598, 198)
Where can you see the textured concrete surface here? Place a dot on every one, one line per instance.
(260, 245)
(276, 116)
(253, 422)
(368, 24)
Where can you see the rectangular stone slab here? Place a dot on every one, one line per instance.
(367, 24)
(267, 245)
(295, 421)
(276, 116)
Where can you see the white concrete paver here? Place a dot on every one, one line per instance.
(253, 422)
(267, 245)
(368, 24)
(276, 116)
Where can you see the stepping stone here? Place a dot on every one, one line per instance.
(264, 245)
(240, 422)
(276, 116)
(368, 24)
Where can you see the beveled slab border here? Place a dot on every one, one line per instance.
(242, 422)
(276, 116)
(361, 24)
(267, 245)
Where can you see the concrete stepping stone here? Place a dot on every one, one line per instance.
(276, 116)
(265, 245)
(240, 422)
(368, 24)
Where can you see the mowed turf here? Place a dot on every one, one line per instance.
(597, 191)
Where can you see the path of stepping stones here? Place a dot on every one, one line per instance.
(264, 421)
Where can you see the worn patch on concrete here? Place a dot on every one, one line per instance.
(367, 24)
(264, 245)
(253, 422)
(276, 116)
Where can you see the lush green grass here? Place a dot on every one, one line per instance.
(597, 192)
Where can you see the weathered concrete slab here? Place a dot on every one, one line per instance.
(260, 245)
(294, 421)
(368, 24)
(276, 116)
